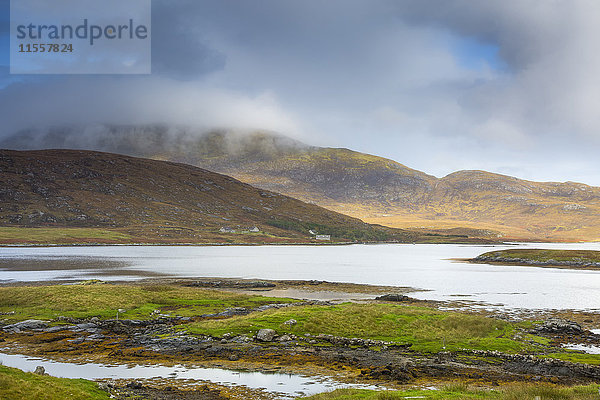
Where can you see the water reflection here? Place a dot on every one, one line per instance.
(430, 267)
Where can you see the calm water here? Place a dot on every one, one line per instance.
(285, 385)
(426, 267)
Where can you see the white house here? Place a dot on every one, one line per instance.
(312, 232)
(254, 229)
(323, 237)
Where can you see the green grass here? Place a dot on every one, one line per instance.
(17, 385)
(60, 235)
(545, 256)
(102, 300)
(426, 329)
(576, 357)
(463, 392)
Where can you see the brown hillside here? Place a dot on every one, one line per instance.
(149, 200)
(372, 188)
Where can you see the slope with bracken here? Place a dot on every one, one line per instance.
(124, 199)
(376, 189)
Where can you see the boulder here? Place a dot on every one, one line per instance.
(27, 325)
(266, 335)
(393, 297)
(290, 322)
(58, 328)
(39, 370)
(241, 339)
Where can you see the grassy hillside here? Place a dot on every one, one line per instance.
(66, 196)
(365, 186)
(16, 385)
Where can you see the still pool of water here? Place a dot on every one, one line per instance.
(429, 267)
(589, 349)
(285, 385)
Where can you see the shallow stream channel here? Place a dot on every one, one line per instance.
(280, 386)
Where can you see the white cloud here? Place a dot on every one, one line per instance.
(379, 76)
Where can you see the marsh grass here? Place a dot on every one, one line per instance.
(426, 329)
(464, 392)
(102, 300)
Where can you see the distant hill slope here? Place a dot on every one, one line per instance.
(158, 201)
(372, 188)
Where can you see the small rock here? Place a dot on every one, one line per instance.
(266, 335)
(290, 322)
(285, 338)
(135, 385)
(96, 336)
(241, 339)
(39, 370)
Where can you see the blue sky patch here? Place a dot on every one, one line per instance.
(472, 53)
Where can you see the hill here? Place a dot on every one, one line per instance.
(375, 189)
(70, 195)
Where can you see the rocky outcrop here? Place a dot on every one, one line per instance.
(527, 261)
(30, 324)
(559, 327)
(394, 297)
(541, 367)
(232, 284)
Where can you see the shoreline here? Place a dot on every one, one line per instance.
(582, 260)
(525, 264)
(210, 244)
(472, 241)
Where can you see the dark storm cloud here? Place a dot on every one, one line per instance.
(177, 51)
(437, 85)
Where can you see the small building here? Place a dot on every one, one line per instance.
(323, 237)
(226, 229)
(312, 232)
(254, 229)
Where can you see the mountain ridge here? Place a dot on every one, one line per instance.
(365, 186)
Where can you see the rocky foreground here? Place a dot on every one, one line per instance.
(163, 338)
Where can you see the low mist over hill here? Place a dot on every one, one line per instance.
(372, 188)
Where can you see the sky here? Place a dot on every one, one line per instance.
(507, 86)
